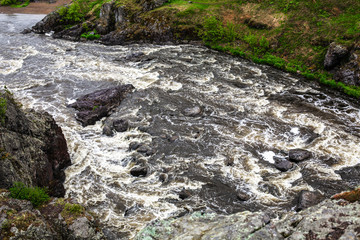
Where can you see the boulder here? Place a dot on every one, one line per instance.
(283, 164)
(139, 171)
(49, 23)
(94, 106)
(33, 149)
(349, 72)
(299, 155)
(334, 55)
(193, 112)
(307, 199)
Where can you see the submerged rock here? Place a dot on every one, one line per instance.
(299, 155)
(94, 106)
(33, 149)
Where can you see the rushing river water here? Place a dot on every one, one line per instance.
(209, 127)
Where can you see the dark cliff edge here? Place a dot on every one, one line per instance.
(33, 149)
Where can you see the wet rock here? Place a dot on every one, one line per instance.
(139, 171)
(184, 194)
(121, 125)
(299, 155)
(135, 57)
(243, 196)
(193, 112)
(49, 23)
(307, 199)
(283, 164)
(334, 55)
(33, 149)
(26, 31)
(134, 145)
(163, 177)
(73, 33)
(94, 106)
(107, 130)
(350, 175)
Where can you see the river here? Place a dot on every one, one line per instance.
(209, 127)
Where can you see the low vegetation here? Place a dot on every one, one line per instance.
(36, 195)
(3, 107)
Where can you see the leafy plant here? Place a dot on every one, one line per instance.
(36, 195)
(3, 108)
(7, 2)
(91, 36)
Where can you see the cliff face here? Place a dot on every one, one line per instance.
(33, 149)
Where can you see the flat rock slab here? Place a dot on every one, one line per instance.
(94, 106)
(299, 155)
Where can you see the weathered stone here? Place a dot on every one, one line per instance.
(283, 164)
(94, 106)
(334, 55)
(243, 196)
(349, 73)
(33, 149)
(193, 112)
(121, 125)
(299, 155)
(184, 194)
(139, 171)
(49, 23)
(307, 199)
(54, 220)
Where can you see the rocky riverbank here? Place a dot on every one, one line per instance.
(33, 149)
(318, 40)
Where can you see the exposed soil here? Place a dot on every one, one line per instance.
(34, 8)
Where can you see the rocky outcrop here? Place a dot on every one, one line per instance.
(58, 219)
(344, 63)
(33, 149)
(327, 220)
(94, 106)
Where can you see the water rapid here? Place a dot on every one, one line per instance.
(207, 126)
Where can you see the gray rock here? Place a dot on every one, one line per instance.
(283, 164)
(334, 55)
(349, 73)
(33, 149)
(81, 228)
(299, 155)
(94, 106)
(307, 199)
(121, 125)
(326, 220)
(139, 171)
(193, 112)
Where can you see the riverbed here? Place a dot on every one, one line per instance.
(207, 127)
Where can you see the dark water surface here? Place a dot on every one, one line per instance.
(205, 126)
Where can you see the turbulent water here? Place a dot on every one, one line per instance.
(209, 127)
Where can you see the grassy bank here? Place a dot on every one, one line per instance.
(292, 35)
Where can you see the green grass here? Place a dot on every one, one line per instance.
(3, 108)
(91, 35)
(37, 196)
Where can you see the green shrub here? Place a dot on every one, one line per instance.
(7, 2)
(36, 195)
(3, 107)
(74, 209)
(91, 36)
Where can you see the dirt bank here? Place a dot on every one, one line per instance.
(34, 8)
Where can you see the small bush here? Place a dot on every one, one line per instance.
(91, 36)
(7, 2)
(3, 107)
(36, 196)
